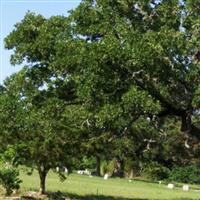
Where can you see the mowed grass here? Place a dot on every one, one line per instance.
(84, 187)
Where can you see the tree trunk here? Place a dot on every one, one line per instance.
(122, 170)
(187, 126)
(186, 122)
(42, 173)
(131, 173)
(98, 164)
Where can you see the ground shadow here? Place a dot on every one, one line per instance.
(70, 196)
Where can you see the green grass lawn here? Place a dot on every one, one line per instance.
(83, 187)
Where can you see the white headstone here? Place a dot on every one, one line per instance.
(87, 172)
(57, 169)
(80, 171)
(66, 170)
(186, 188)
(106, 176)
(170, 186)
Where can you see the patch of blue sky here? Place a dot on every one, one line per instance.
(13, 11)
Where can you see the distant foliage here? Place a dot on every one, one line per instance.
(86, 163)
(156, 171)
(108, 167)
(189, 174)
(132, 168)
(103, 167)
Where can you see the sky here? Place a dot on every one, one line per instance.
(13, 11)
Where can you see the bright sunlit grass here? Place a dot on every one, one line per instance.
(83, 186)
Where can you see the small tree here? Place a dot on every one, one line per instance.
(43, 135)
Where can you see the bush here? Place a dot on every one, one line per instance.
(107, 167)
(103, 167)
(156, 171)
(132, 168)
(9, 178)
(189, 174)
(87, 163)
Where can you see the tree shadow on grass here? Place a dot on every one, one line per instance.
(70, 196)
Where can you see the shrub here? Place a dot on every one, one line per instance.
(87, 163)
(107, 167)
(103, 167)
(9, 178)
(156, 171)
(188, 174)
(132, 168)
(111, 167)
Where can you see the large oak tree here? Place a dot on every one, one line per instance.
(129, 54)
(120, 59)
